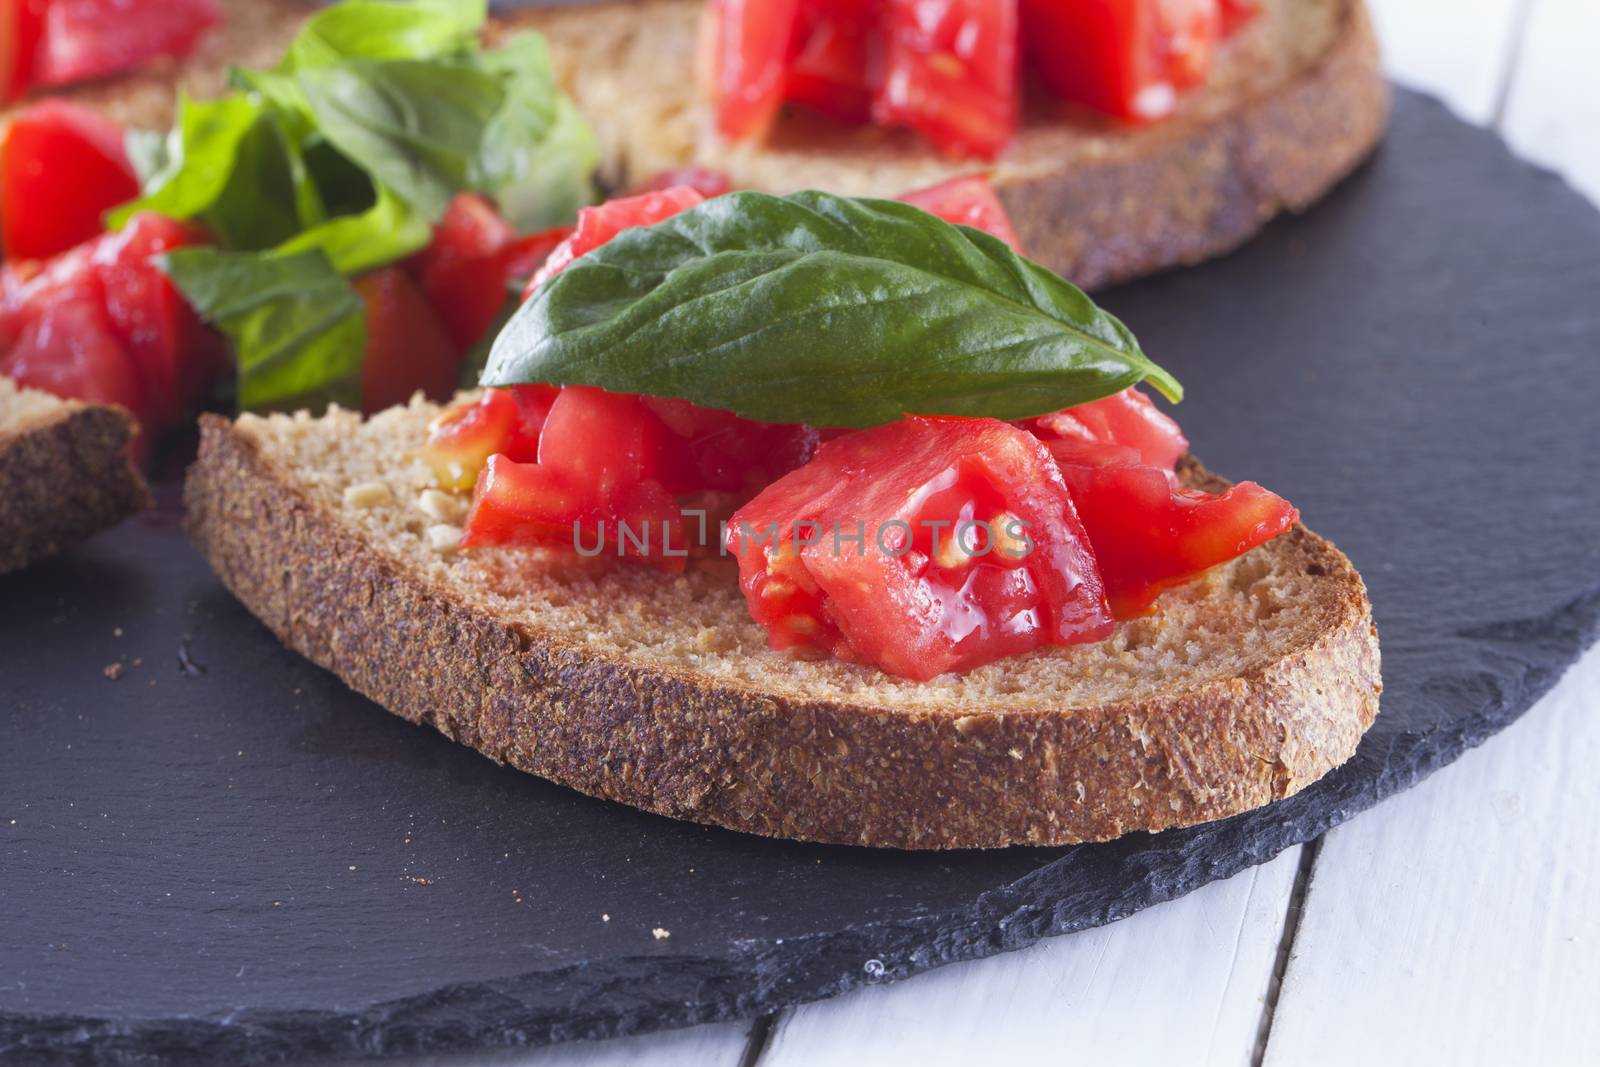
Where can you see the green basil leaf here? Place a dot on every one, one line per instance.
(298, 327)
(196, 161)
(538, 154)
(415, 126)
(821, 309)
(353, 244)
(374, 29)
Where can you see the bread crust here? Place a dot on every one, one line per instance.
(769, 762)
(63, 477)
(1204, 189)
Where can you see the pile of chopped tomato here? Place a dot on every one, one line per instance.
(932, 545)
(952, 69)
(920, 547)
(102, 323)
(59, 42)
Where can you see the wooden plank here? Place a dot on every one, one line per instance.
(1181, 983)
(1553, 109)
(1456, 922)
(713, 1045)
(1459, 50)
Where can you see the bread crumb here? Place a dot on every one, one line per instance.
(368, 494)
(605, 917)
(440, 506)
(421, 881)
(113, 671)
(443, 537)
(660, 934)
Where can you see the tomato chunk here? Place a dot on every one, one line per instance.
(920, 547)
(967, 201)
(462, 438)
(745, 46)
(1127, 58)
(61, 167)
(595, 486)
(837, 58)
(951, 73)
(407, 346)
(1129, 418)
(21, 29)
(86, 39)
(1150, 534)
(169, 353)
(1236, 14)
(599, 224)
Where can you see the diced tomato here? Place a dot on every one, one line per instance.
(745, 47)
(21, 28)
(1236, 14)
(718, 451)
(70, 348)
(407, 346)
(596, 484)
(923, 589)
(175, 354)
(703, 180)
(461, 271)
(1128, 58)
(171, 353)
(1149, 533)
(951, 73)
(967, 201)
(61, 167)
(474, 258)
(86, 39)
(599, 224)
(837, 58)
(462, 438)
(1129, 418)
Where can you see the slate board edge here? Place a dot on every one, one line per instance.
(626, 995)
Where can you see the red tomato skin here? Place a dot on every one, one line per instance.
(61, 167)
(744, 52)
(69, 348)
(1129, 418)
(1149, 534)
(407, 346)
(837, 60)
(86, 39)
(535, 505)
(951, 73)
(461, 270)
(171, 353)
(160, 331)
(1127, 58)
(21, 29)
(910, 607)
(967, 201)
(599, 224)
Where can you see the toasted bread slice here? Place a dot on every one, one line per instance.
(64, 473)
(1292, 104)
(659, 691)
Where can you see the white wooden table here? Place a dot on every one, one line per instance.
(1457, 923)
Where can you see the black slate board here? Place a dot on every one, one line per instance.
(237, 859)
